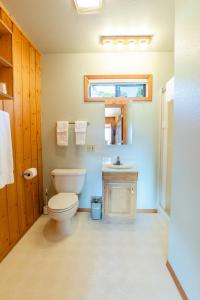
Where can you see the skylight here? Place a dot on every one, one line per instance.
(88, 6)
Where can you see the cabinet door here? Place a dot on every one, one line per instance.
(120, 200)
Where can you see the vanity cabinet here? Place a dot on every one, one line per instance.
(119, 195)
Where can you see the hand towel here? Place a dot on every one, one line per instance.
(80, 130)
(6, 154)
(62, 133)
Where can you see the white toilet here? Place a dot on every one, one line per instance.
(63, 206)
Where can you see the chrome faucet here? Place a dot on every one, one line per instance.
(118, 162)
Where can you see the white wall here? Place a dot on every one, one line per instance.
(62, 99)
(184, 250)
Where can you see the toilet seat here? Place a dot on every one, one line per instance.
(62, 202)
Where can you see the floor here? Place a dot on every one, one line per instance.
(99, 261)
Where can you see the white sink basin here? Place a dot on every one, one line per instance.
(119, 167)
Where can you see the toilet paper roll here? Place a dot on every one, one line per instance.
(30, 173)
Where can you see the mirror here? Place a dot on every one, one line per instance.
(116, 124)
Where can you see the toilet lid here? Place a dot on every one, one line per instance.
(63, 201)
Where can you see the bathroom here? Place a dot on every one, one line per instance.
(51, 244)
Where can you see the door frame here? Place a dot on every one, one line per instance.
(166, 97)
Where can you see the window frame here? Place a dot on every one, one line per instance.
(87, 79)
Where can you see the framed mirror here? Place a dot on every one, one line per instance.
(115, 121)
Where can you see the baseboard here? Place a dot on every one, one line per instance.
(147, 211)
(139, 210)
(176, 281)
(84, 209)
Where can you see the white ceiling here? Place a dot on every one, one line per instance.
(55, 26)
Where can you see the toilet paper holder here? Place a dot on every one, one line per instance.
(26, 174)
(30, 173)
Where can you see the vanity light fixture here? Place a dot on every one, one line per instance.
(143, 43)
(108, 44)
(88, 6)
(130, 42)
(119, 44)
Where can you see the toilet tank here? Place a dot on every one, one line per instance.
(68, 180)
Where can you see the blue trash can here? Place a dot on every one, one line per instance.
(96, 208)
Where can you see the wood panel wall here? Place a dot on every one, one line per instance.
(21, 203)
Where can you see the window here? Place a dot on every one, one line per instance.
(130, 87)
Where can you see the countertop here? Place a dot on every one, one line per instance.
(109, 170)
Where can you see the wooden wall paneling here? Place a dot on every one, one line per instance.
(1, 105)
(21, 203)
(27, 127)
(39, 136)
(6, 47)
(4, 226)
(11, 189)
(18, 123)
(6, 19)
(34, 154)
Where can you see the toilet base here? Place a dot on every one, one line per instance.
(64, 227)
(63, 220)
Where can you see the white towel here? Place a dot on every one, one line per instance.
(6, 154)
(80, 130)
(62, 133)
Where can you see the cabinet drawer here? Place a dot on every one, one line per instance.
(120, 177)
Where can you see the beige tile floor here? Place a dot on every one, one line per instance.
(99, 261)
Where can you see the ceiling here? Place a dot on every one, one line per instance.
(55, 27)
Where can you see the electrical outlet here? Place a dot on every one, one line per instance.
(91, 148)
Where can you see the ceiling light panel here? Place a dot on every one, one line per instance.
(88, 6)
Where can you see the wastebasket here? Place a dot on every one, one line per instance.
(96, 208)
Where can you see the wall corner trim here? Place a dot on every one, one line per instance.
(176, 281)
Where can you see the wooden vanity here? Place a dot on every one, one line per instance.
(119, 194)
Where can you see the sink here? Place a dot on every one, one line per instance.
(119, 167)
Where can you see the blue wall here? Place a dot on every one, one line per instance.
(62, 99)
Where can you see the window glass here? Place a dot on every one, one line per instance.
(132, 91)
(111, 90)
(102, 91)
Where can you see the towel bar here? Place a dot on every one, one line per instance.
(73, 123)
